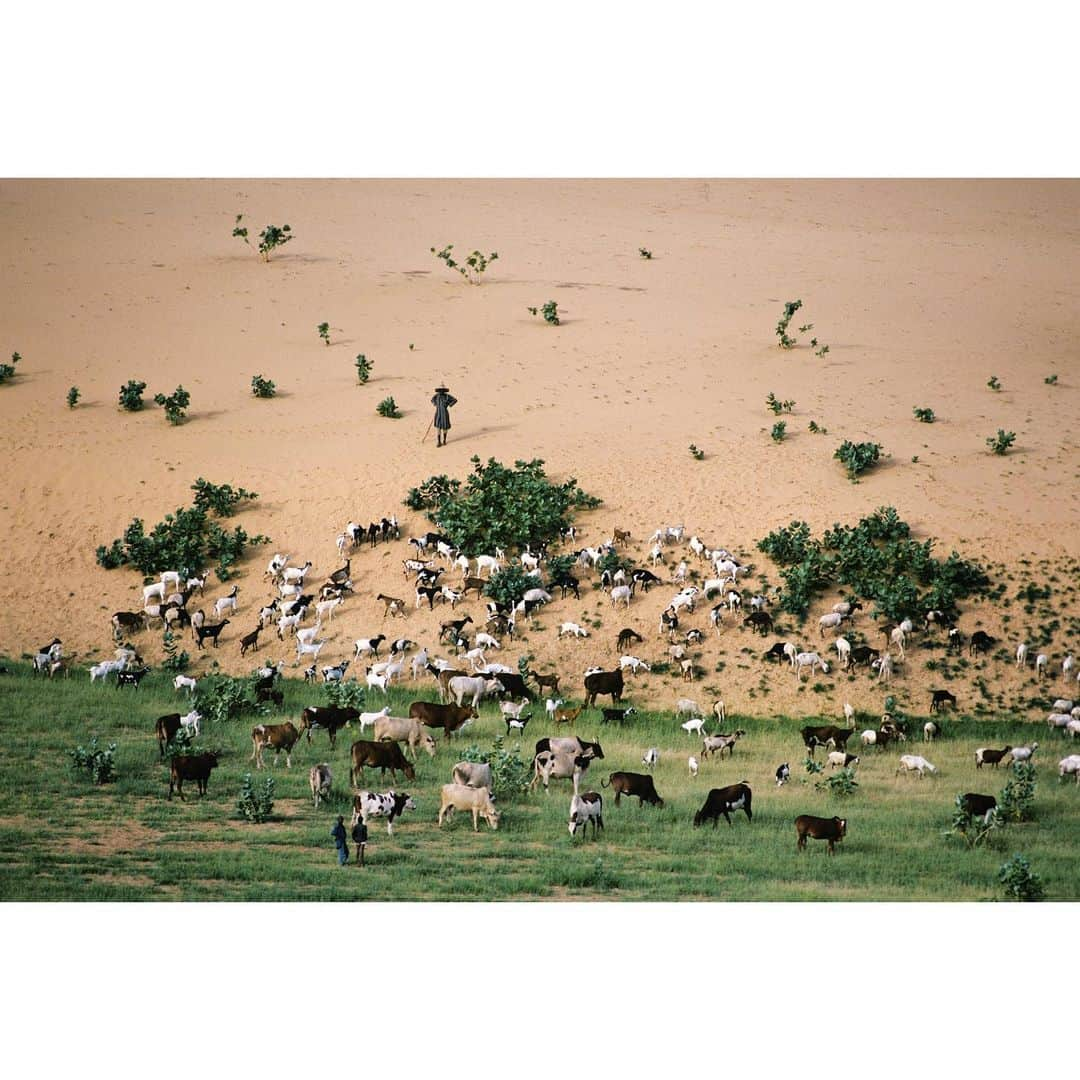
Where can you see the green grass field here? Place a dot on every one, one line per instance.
(64, 838)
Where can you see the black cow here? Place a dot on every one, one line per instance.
(330, 718)
(130, 678)
(818, 828)
(629, 783)
(378, 755)
(939, 697)
(603, 682)
(980, 642)
(195, 767)
(722, 801)
(825, 734)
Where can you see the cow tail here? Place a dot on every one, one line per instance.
(603, 783)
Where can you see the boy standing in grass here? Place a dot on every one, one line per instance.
(338, 835)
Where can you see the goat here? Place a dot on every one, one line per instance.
(392, 606)
(226, 603)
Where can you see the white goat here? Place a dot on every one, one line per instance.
(809, 660)
(695, 726)
(184, 682)
(833, 621)
(1041, 662)
(310, 648)
(633, 664)
(621, 592)
(1021, 654)
(687, 707)
(693, 763)
(572, 629)
(916, 764)
(367, 718)
(843, 651)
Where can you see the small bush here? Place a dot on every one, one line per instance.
(73, 397)
(1051, 380)
(777, 406)
(550, 311)
(97, 762)
(812, 767)
(174, 405)
(779, 431)
(263, 388)
(363, 368)
(7, 371)
(695, 453)
(815, 429)
(857, 457)
(256, 804)
(270, 238)
(509, 585)
(841, 783)
(473, 266)
(924, 416)
(324, 332)
(222, 499)
(1000, 443)
(510, 775)
(1017, 801)
(790, 308)
(388, 408)
(131, 395)
(346, 694)
(993, 382)
(176, 659)
(1018, 880)
(644, 253)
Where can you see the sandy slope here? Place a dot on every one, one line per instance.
(921, 289)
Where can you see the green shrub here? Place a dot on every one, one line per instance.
(925, 416)
(263, 388)
(473, 266)
(388, 408)
(993, 382)
(781, 327)
(777, 406)
(645, 254)
(176, 659)
(1000, 443)
(324, 332)
(550, 311)
(811, 766)
(73, 397)
(431, 492)
(779, 431)
(7, 371)
(270, 238)
(509, 585)
(222, 499)
(502, 507)
(857, 457)
(1017, 801)
(1051, 380)
(256, 804)
(174, 405)
(815, 429)
(97, 762)
(510, 775)
(695, 453)
(348, 693)
(974, 829)
(1018, 880)
(222, 698)
(363, 368)
(131, 395)
(841, 783)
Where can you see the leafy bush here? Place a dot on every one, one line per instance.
(778, 406)
(857, 457)
(348, 693)
(841, 783)
(222, 499)
(363, 368)
(174, 404)
(388, 408)
(1000, 443)
(509, 774)
(779, 431)
(131, 395)
(256, 804)
(431, 492)
(645, 254)
(925, 416)
(73, 397)
(473, 266)
(974, 829)
(993, 382)
(1018, 880)
(1051, 380)
(501, 507)
(324, 332)
(261, 387)
(1017, 800)
(509, 585)
(270, 238)
(695, 453)
(812, 767)
(781, 327)
(7, 371)
(176, 659)
(98, 763)
(550, 311)
(815, 429)
(225, 698)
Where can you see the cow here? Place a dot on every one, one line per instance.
(723, 801)
(329, 718)
(473, 774)
(408, 730)
(195, 767)
(584, 808)
(378, 755)
(558, 765)
(513, 685)
(460, 797)
(279, 736)
(825, 734)
(978, 805)
(639, 784)
(320, 779)
(390, 805)
(817, 828)
(603, 682)
(985, 756)
(571, 744)
(166, 728)
(447, 717)
(938, 698)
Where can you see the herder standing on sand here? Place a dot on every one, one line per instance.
(442, 402)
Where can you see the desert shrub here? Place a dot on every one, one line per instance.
(841, 783)
(431, 492)
(777, 406)
(96, 761)
(925, 416)
(790, 308)
(363, 367)
(174, 405)
(224, 698)
(1017, 801)
(779, 431)
(550, 311)
(644, 253)
(176, 659)
(788, 544)
(1018, 880)
(388, 408)
(222, 499)
(7, 371)
(816, 429)
(812, 767)
(348, 693)
(263, 388)
(857, 457)
(994, 382)
(502, 507)
(1000, 443)
(270, 238)
(695, 453)
(509, 585)
(471, 268)
(1051, 380)
(510, 775)
(256, 803)
(73, 396)
(324, 332)
(131, 395)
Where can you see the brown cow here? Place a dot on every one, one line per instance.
(447, 717)
(166, 729)
(381, 756)
(629, 783)
(603, 682)
(327, 717)
(279, 736)
(195, 767)
(819, 828)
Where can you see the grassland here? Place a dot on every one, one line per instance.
(63, 838)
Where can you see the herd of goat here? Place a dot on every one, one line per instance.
(464, 682)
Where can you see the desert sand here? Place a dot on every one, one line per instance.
(922, 290)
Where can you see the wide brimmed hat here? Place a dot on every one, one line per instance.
(441, 389)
